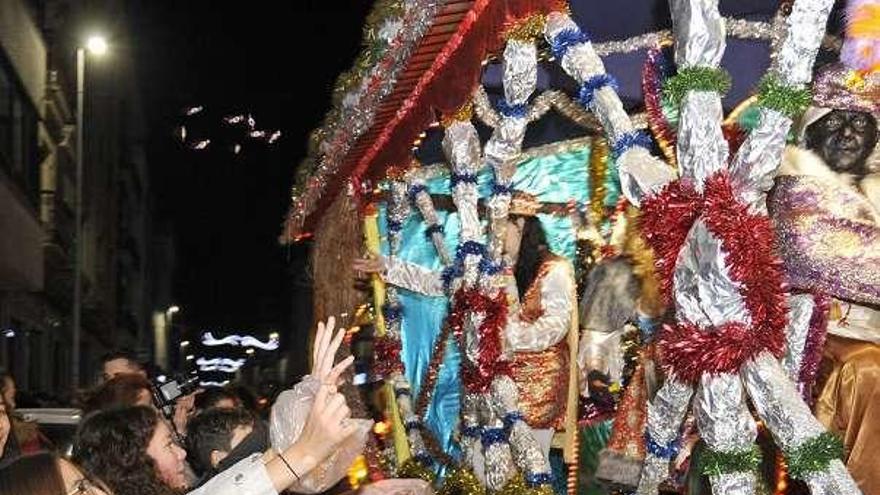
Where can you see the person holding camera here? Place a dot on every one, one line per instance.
(133, 452)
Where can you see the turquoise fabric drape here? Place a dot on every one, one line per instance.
(557, 178)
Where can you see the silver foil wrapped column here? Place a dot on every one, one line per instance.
(461, 146)
(526, 451)
(500, 466)
(640, 172)
(520, 67)
(665, 415)
(788, 418)
(799, 314)
(759, 156)
(726, 425)
(410, 420)
(425, 206)
(701, 277)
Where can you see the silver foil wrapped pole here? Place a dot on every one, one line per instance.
(526, 452)
(410, 420)
(794, 62)
(462, 148)
(704, 292)
(755, 164)
(699, 33)
(640, 172)
(726, 425)
(800, 310)
(426, 207)
(665, 415)
(520, 68)
(836, 480)
(788, 418)
(398, 211)
(758, 158)
(470, 429)
(497, 455)
(701, 148)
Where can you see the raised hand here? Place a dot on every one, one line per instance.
(369, 265)
(327, 425)
(324, 354)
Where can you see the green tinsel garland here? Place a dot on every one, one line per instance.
(461, 481)
(517, 486)
(813, 455)
(716, 462)
(695, 79)
(413, 469)
(789, 100)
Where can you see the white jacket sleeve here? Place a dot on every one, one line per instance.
(557, 303)
(247, 477)
(412, 277)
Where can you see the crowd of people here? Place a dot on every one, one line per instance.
(126, 445)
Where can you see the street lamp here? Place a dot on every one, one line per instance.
(97, 45)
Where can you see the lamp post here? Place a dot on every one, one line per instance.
(98, 46)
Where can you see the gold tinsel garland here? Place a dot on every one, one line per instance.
(642, 258)
(413, 469)
(461, 481)
(517, 486)
(598, 172)
(528, 29)
(463, 114)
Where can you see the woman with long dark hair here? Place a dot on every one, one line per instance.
(132, 451)
(46, 474)
(9, 449)
(541, 333)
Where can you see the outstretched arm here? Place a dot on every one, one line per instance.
(403, 274)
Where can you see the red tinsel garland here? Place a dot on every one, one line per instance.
(478, 377)
(652, 86)
(666, 220)
(387, 351)
(747, 239)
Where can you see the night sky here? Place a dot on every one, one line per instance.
(276, 60)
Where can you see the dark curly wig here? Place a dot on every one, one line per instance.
(112, 446)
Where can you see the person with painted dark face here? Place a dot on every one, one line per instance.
(825, 205)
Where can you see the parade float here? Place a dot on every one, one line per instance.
(641, 288)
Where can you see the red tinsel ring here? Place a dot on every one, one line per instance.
(689, 352)
(387, 349)
(490, 364)
(666, 219)
(747, 240)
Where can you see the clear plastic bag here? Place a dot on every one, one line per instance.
(398, 487)
(286, 423)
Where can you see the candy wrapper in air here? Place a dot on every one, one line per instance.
(289, 414)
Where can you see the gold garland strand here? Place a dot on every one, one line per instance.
(598, 172)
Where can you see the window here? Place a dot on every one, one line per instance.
(18, 134)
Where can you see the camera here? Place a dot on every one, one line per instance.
(166, 394)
